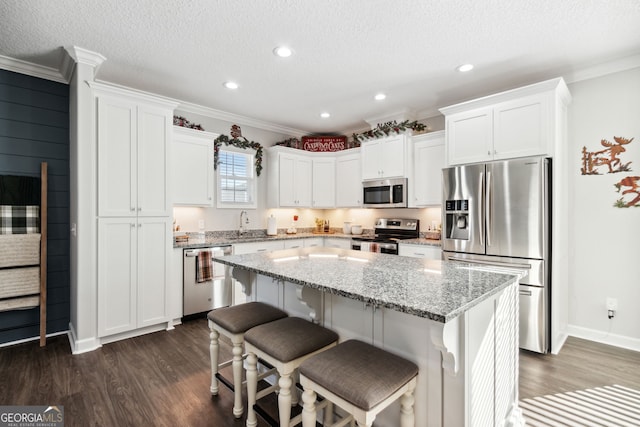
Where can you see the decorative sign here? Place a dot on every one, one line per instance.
(324, 143)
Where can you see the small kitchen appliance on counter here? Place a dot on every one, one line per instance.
(388, 231)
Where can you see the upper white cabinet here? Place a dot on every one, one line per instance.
(133, 138)
(192, 167)
(428, 160)
(293, 180)
(384, 157)
(348, 179)
(323, 182)
(517, 123)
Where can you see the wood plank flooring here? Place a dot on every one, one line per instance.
(162, 379)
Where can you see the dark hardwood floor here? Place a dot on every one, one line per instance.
(162, 379)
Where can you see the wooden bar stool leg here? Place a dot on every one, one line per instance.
(214, 349)
(407, 416)
(284, 399)
(327, 418)
(252, 389)
(237, 377)
(309, 408)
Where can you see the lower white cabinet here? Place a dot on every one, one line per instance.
(255, 247)
(419, 251)
(133, 272)
(333, 242)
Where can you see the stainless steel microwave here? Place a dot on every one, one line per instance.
(386, 193)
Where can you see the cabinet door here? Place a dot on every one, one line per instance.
(470, 136)
(419, 251)
(117, 157)
(324, 183)
(153, 270)
(337, 243)
(303, 181)
(117, 297)
(255, 247)
(392, 156)
(370, 152)
(348, 181)
(154, 129)
(429, 159)
(192, 171)
(521, 127)
(286, 180)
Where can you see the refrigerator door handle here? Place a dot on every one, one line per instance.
(488, 208)
(495, 263)
(482, 207)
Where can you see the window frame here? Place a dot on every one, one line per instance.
(252, 180)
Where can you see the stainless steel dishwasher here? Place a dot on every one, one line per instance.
(204, 296)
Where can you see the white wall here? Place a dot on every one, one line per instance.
(605, 241)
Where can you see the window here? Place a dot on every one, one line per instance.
(236, 180)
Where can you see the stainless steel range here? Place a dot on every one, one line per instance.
(388, 232)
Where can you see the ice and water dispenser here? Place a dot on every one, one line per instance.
(456, 220)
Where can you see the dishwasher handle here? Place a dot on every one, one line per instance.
(192, 253)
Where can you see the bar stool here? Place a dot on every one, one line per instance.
(361, 379)
(233, 322)
(284, 344)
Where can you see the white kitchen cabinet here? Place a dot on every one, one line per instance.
(419, 251)
(294, 180)
(192, 171)
(133, 156)
(294, 243)
(255, 247)
(334, 242)
(384, 157)
(518, 123)
(133, 273)
(311, 242)
(428, 161)
(323, 182)
(348, 179)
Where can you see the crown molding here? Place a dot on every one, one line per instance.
(188, 107)
(31, 69)
(599, 70)
(77, 55)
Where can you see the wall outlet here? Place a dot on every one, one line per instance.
(612, 303)
(201, 224)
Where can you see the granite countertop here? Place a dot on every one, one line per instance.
(209, 241)
(433, 289)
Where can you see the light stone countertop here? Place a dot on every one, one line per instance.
(433, 289)
(210, 240)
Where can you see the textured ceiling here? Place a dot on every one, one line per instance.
(345, 51)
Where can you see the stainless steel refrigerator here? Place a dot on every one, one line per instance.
(498, 213)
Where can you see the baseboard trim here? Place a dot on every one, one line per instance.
(81, 346)
(604, 337)
(36, 338)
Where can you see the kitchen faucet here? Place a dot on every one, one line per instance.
(242, 229)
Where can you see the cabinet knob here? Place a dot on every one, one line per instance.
(139, 209)
(489, 153)
(495, 151)
(132, 209)
(133, 225)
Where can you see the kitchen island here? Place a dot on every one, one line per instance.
(458, 322)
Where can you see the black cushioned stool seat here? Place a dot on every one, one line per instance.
(233, 322)
(284, 344)
(364, 376)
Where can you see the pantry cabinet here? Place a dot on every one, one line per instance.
(133, 156)
(348, 179)
(428, 161)
(384, 158)
(518, 123)
(192, 167)
(133, 273)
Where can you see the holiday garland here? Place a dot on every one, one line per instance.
(243, 143)
(181, 121)
(384, 129)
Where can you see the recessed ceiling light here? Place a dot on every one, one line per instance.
(325, 115)
(282, 51)
(380, 97)
(465, 67)
(231, 85)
